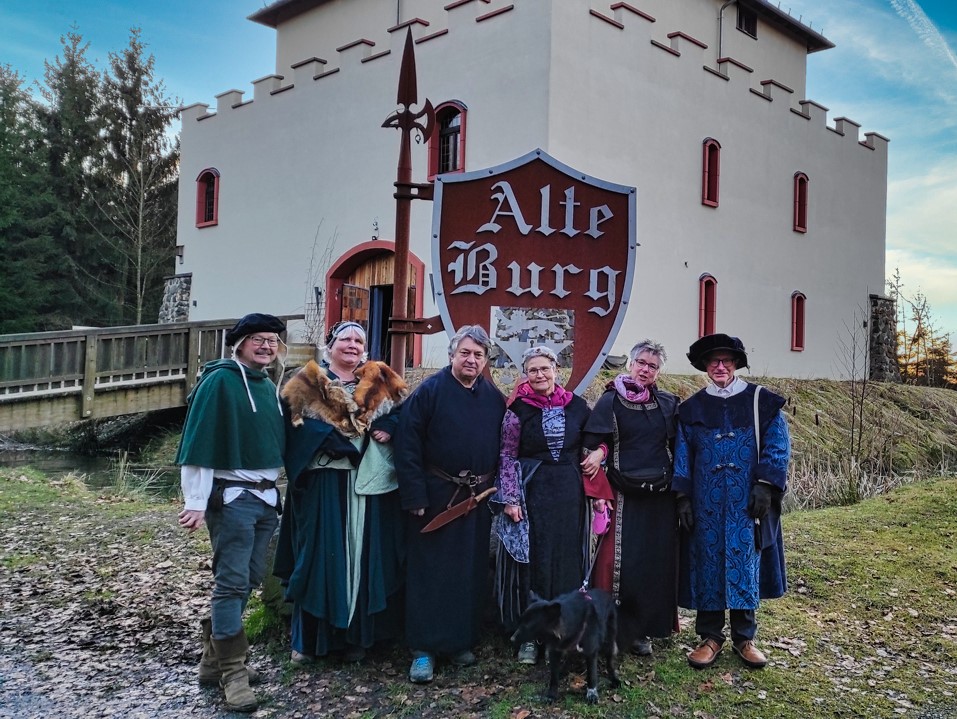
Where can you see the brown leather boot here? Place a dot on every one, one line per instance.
(750, 654)
(208, 669)
(231, 654)
(705, 654)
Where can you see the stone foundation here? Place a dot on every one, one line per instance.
(882, 340)
(175, 304)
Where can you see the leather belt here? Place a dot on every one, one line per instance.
(465, 478)
(262, 485)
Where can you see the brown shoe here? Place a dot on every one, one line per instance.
(705, 654)
(751, 655)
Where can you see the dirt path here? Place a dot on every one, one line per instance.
(99, 610)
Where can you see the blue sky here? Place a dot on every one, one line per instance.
(894, 71)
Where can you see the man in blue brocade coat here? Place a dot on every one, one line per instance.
(729, 484)
(449, 426)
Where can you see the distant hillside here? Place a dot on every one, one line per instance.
(908, 432)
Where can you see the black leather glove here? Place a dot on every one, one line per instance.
(685, 513)
(759, 503)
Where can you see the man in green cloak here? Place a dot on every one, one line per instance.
(230, 457)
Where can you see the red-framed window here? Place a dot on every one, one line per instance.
(800, 202)
(447, 144)
(798, 300)
(207, 198)
(710, 172)
(707, 305)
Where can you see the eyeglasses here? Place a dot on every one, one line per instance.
(647, 365)
(260, 341)
(728, 362)
(539, 371)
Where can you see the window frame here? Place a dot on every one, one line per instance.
(801, 190)
(710, 172)
(747, 21)
(707, 305)
(203, 200)
(798, 323)
(436, 140)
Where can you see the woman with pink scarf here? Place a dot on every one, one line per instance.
(541, 525)
(632, 431)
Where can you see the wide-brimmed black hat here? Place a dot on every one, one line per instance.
(255, 322)
(709, 344)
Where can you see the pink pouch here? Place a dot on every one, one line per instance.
(601, 521)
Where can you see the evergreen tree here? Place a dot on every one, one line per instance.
(32, 272)
(71, 122)
(140, 172)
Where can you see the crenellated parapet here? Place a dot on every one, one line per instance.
(670, 45)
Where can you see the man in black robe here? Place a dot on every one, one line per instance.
(446, 449)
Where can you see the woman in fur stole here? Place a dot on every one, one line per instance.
(341, 541)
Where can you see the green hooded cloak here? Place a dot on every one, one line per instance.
(222, 431)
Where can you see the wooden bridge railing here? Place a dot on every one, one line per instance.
(53, 377)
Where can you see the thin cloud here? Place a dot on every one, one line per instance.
(925, 29)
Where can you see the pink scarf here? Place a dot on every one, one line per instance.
(630, 390)
(560, 397)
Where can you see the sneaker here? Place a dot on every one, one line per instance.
(528, 653)
(298, 658)
(642, 647)
(422, 669)
(463, 659)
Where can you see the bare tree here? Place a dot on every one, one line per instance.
(854, 348)
(140, 173)
(924, 353)
(320, 260)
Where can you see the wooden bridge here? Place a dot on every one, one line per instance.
(49, 378)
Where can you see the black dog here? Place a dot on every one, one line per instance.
(583, 622)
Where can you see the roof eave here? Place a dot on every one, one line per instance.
(282, 10)
(813, 40)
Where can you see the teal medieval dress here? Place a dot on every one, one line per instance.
(341, 548)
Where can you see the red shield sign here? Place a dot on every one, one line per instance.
(538, 253)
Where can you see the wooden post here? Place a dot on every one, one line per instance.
(405, 121)
(89, 377)
(192, 359)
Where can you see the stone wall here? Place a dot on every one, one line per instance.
(883, 340)
(175, 304)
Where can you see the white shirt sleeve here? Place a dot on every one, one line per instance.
(197, 483)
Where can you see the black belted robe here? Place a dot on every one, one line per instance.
(447, 425)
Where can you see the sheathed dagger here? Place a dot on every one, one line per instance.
(457, 510)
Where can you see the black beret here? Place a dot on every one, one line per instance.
(255, 322)
(699, 351)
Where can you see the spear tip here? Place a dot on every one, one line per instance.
(408, 92)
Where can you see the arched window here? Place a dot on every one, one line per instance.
(207, 198)
(710, 172)
(800, 202)
(447, 144)
(707, 305)
(797, 321)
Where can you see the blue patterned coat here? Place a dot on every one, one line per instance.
(728, 561)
